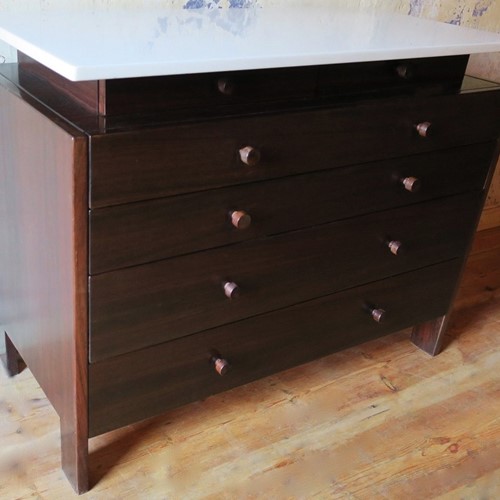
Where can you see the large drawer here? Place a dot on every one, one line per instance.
(141, 232)
(141, 384)
(149, 304)
(151, 163)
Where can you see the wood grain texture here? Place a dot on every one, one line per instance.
(140, 165)
(382, 419)
(420, 76)
(429, 336)
(32, 75)
(149, 304)
(74, 417)
(490, 217)
(250, 90)
(137, 233)
(480, 283)
(44, 262)
(48, 255)
(128, 388)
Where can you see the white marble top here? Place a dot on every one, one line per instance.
(87, 44)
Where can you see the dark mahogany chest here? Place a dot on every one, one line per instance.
(168, 238)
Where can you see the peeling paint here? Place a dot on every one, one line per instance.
(481, 7)
(242, 4)
(416, 7)
(213, 4)
(197, 4)
(457, 16)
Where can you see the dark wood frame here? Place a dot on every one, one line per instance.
(45, 221)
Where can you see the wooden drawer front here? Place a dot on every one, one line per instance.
(143, 232)
(209, 91)
(406, 76)
(140, 165)
(149, 304)
(147, 382)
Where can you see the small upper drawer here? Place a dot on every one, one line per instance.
(192, 96)
(152, 163)
(209, 91)
(426, 75)
(186, 95)
(141, 232)
(148, 304)
(144, 383)
(250, 90)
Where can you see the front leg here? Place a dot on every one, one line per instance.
(75, 451)
(429, 336)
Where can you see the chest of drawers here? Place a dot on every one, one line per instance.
(173, 237)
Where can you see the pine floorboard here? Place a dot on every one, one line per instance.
(381, 420)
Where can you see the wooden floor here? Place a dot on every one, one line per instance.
(382, 420)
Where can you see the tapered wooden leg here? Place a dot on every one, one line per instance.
(13, 361)
(429, 336)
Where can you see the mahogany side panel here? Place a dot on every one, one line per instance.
(43, 209)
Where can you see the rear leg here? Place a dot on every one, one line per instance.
(13, 361)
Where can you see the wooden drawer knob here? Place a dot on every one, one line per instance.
(378, 314)
(424, 129)
(250, 156)
(404, 71)
(240, 219)
(221, 365)
(231, 289)
(411, 184)
(225, 85)
(395, 247)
